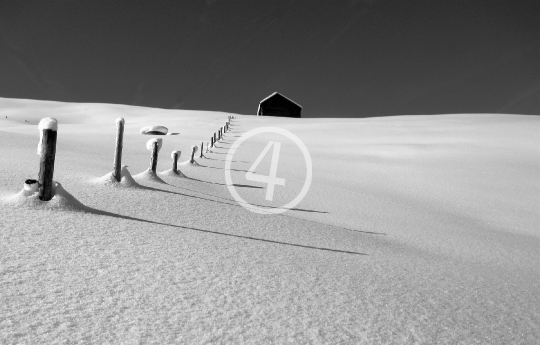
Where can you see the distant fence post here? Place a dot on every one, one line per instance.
(193, 151)
(117, 168)
(214, 138)
(47, 152)
(211, 141)
(202, 146)
(207, 146)
(175, 155)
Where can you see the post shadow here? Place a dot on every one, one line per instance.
(238, 205)
(116, 215)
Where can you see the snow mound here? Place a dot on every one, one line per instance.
(159, 130)
(186, 163)
(170, 173)
(148, 175)
(151, 142)
(126, 180)
(48, 123)
(61, 200)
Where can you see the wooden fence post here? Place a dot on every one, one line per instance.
(202, 146)
(175, 155)
(47, 152)
(193, 151)
(153, 160)
(117, 168)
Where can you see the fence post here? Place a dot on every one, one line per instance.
(153, 160)
(193, 151)
(202, 146)
(175, 155)
(47, 152)
(117, 168)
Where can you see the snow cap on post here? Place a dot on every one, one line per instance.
(48, 123)
(150, 142)
(177, 152)
(195, 149)
(119, 121)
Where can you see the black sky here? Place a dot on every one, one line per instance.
(335, 58)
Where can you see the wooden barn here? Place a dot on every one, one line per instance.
(278, 105)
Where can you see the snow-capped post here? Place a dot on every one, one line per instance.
(175, 155)
(193, 152)
(47, 151)
(118, 151)
(211, 141)
(202, 146)
(154, 145)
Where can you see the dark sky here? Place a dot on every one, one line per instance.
(335, 58)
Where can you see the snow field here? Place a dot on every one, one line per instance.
(416, 230)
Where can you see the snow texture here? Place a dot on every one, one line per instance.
(151, 142)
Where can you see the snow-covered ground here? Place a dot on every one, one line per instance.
(416, 230)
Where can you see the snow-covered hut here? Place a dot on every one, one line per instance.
(278, 105)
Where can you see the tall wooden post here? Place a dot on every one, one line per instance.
(211, 141)
(49, 128)
(202, 145)
(117, 168)
(175, 156)
(154, 158)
